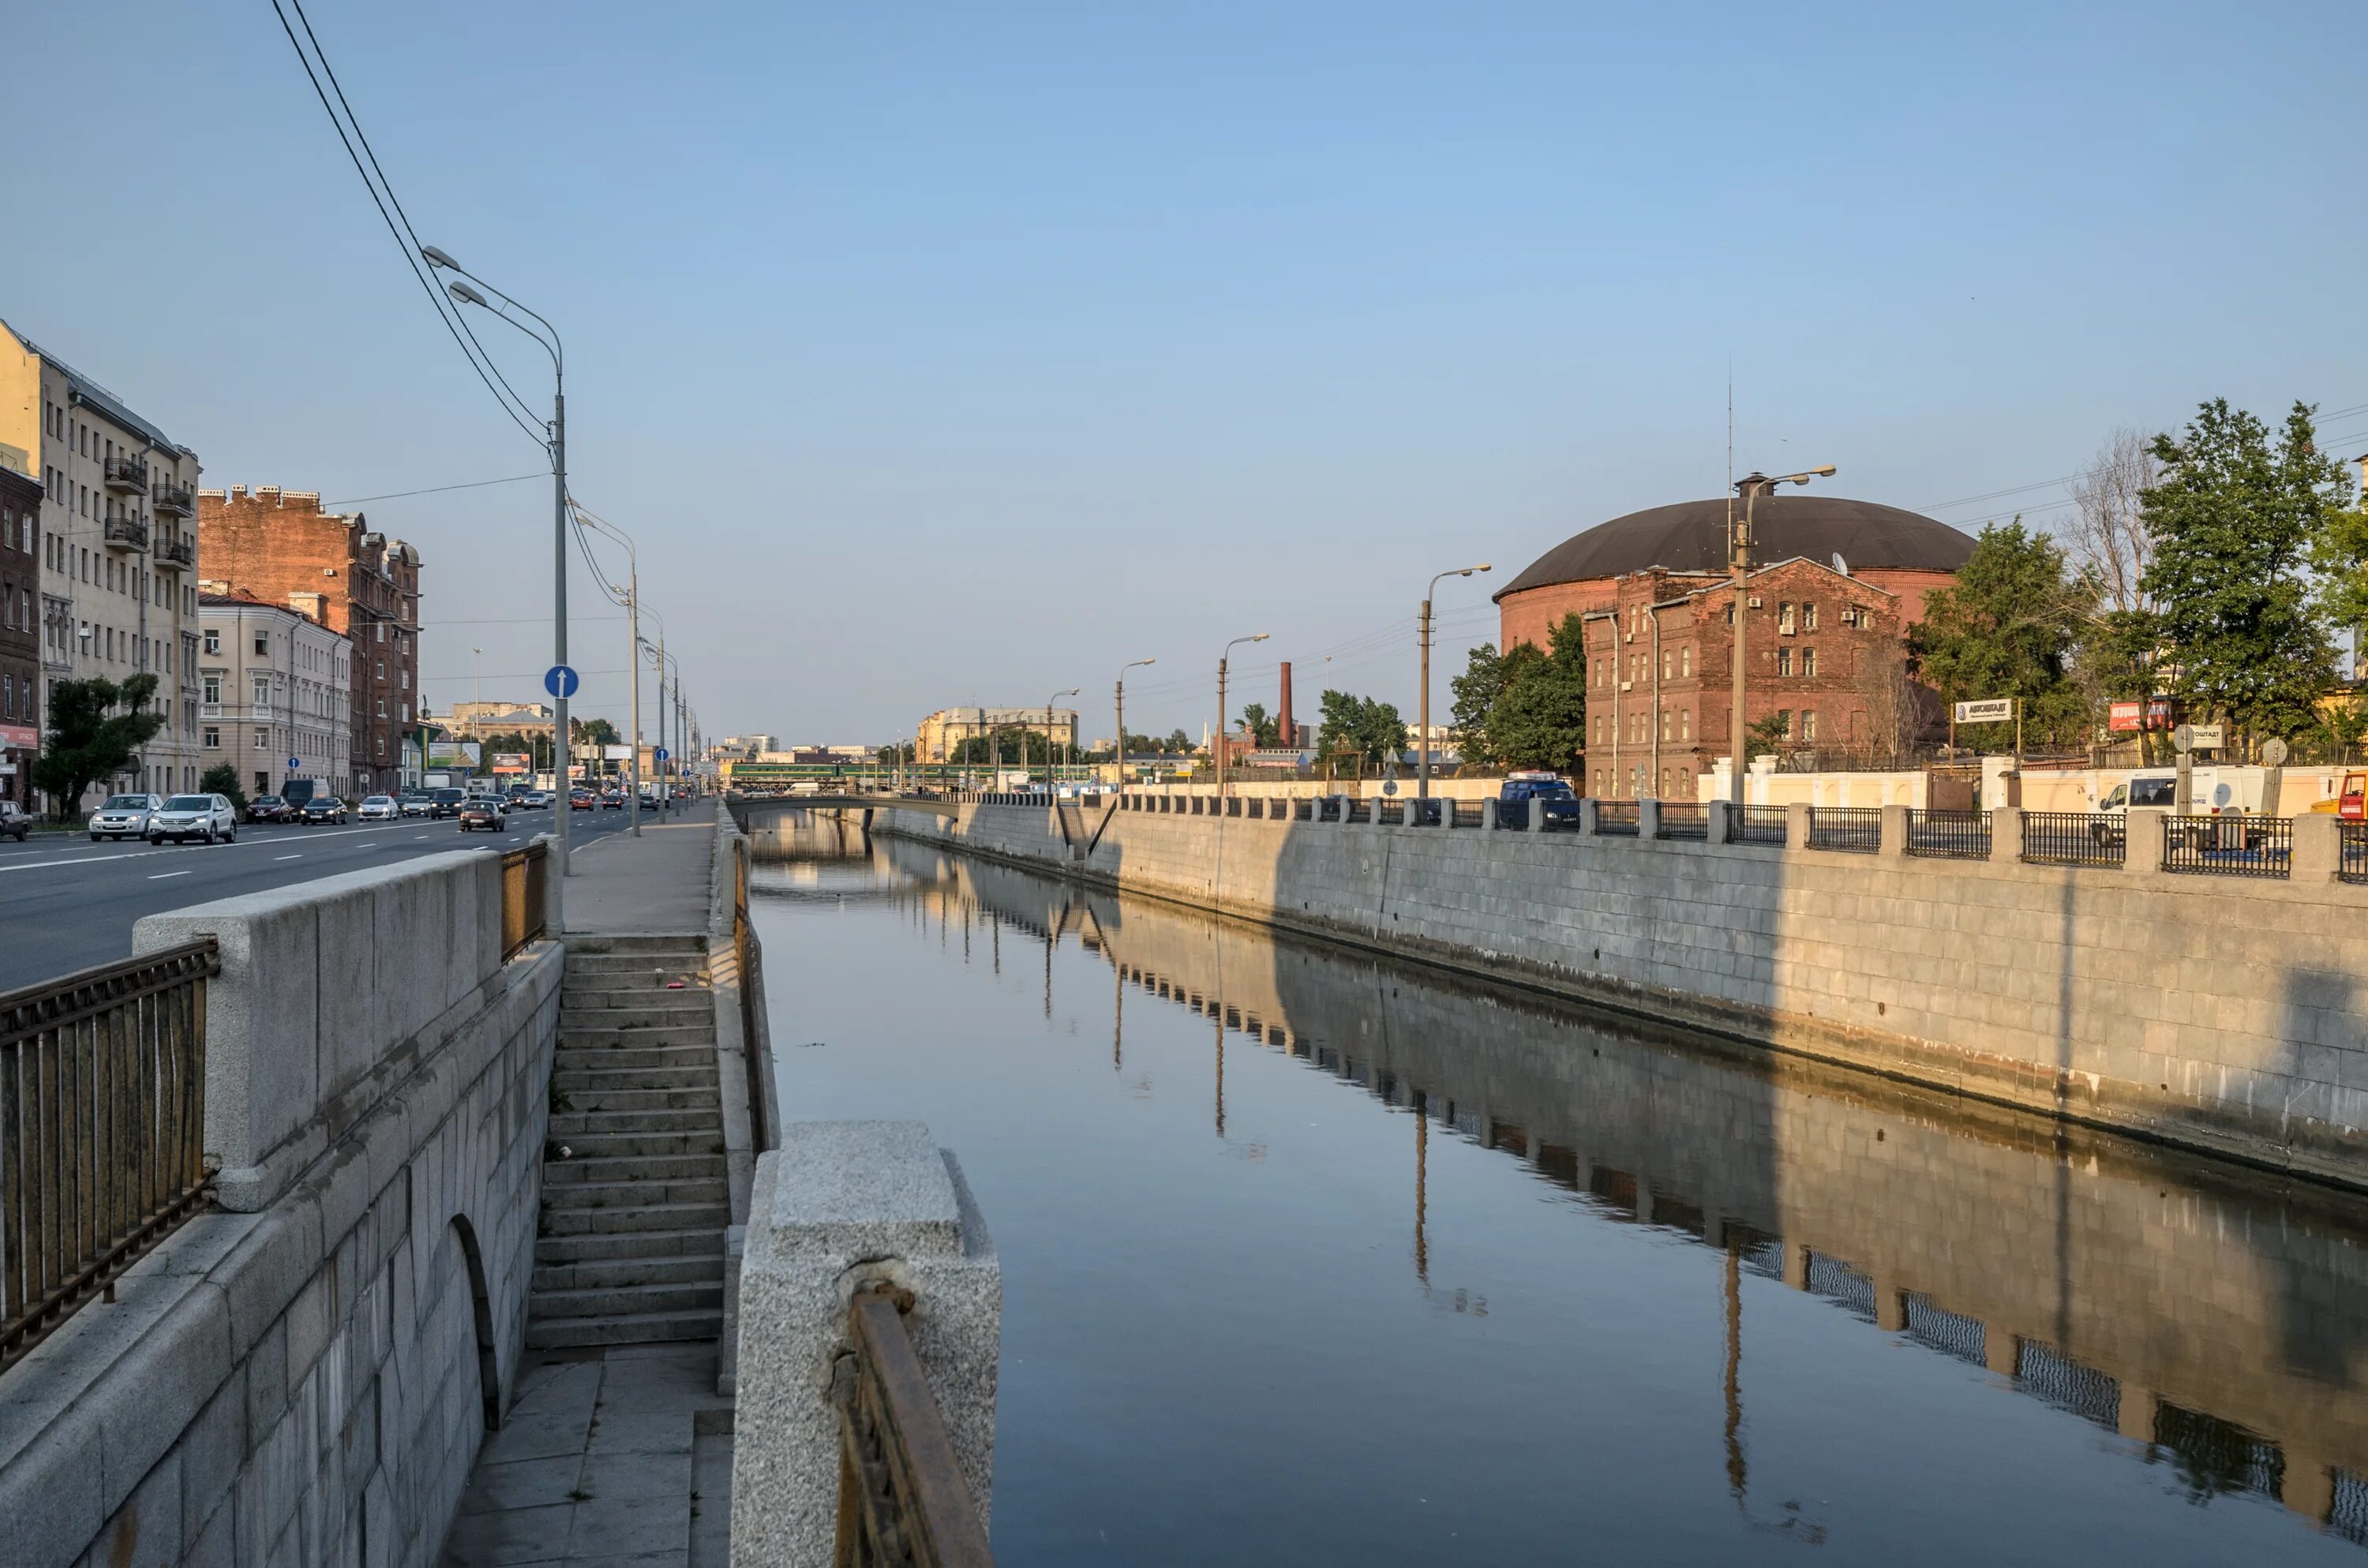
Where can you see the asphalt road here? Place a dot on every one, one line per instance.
(66, 903)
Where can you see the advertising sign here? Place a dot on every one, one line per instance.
(454, 753)
(617, 754)
(2126, 716)
(22, 736)
(1989, 710)
(511, 762)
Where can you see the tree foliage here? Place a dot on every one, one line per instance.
(2008, 627)
(596, 733)
(1264, 729)
(1526, 706)
(96, 728)
(2236, 517)
(1369, 728)
(222, 779)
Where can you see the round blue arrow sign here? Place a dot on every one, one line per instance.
(294, 763)
(560, 681)
(661, 754)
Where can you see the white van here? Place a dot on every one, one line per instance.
(2215, 791)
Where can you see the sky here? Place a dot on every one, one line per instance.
(944, 354)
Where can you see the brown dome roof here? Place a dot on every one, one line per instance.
(1691, 537)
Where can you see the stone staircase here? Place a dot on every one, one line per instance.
(629, 1249)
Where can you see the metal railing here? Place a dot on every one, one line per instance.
(1513, 815)
(1467, 812)
(1684, 819)
(124, 473)
(1618, 819)
(122, 530)
(1948, 835)
(902, 1499)
(1856, 830)
(2073, 838)
(1360, 811)
(746, 952)
(1761, 825)
(2229, 845)
(167, 496)
(176, 553)
(102, 1128)
(522, 894)
(2351, 852)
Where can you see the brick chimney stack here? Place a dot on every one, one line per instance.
(1284, 732)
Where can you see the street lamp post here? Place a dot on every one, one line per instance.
(1752, 486)
(555, 892)
(1255, 637)
(1120, 753)
(1422, 753)
(634, 644)
(1052, 779)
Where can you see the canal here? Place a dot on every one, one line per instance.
(1310, 1258)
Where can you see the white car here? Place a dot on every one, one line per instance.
(124, 816)
(378, 808)
(202, 817)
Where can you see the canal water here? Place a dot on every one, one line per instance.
(1310, 1258)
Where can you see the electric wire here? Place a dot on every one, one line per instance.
(432, 490)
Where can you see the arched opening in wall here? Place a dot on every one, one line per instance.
(481, 1310)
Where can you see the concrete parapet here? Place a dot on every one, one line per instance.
(1719, 827)
(2006, 833)
(2318, 853)
(1488, 814)
(1796, 825)
(1648, 819)
(842, 1208)
(1894, 843)
(2141, 848)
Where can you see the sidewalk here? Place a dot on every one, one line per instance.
(657, 882)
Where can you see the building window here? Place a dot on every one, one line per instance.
(213, 690)
(1809, 724)
(263, 740)
(262, 685)
(1809, 663)
(1785, 723)
(1808, 615)
(1784, 660)
(1668, 731)
(1685, 660)
(213, 741)
(1785, 622)
(1685, 723)
(263, 645)
(1669, 663)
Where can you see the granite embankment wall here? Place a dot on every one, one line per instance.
(303, 1373)
(2219, 1013)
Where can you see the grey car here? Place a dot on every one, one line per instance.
(14, 822)
(201, 817)
(123, 817)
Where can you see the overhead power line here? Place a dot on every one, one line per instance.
(431, 489)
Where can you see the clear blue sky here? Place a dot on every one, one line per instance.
(952, 354)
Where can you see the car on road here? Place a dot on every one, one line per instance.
(613, 800)
(323, 808)
(378, 808)
(415, 805)
(14, 822)
(1553, 793)
(579, 799)
(268, 808)
(537, 799)
(202, 817)
(123, 817)
(482, 812)
(447, 802)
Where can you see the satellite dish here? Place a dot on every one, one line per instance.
(2273, 751)
(1839, 564)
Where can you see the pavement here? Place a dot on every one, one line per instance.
(657, 882)
(607, 1458)
(67, 904)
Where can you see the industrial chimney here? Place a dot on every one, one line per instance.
(1284, 732)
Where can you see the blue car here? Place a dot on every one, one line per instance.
(1550, 790)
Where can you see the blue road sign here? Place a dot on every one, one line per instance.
(294, 763)
(560, 681)
(661, 754)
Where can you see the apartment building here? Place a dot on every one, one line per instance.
(21, 624)
(275, 693)
(280, 547)
(117, 559)
(942, 733)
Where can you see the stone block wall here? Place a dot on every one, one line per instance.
(308, 1379)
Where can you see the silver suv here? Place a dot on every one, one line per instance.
(124, 816)
(202, 817)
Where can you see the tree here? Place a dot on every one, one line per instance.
(1360, 725)
(596, 733)
(1539, 719)
(89, 739)
(1475, 692)
(1264, 730)
(1767, 735)
(1010, 745)
(2234, 521)
(2341, 555)
(221, 778)
(2006, 627)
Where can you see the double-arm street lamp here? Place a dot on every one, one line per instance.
(1050, 782)
(1120, 753)
(1422, 636)
(1751, 487)
(632, 589)
(557, 445)
(1254, 637)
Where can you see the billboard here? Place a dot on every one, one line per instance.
(2153, 713)
(617, 754)
(511, 762)
(1988, 711)
(454, 753)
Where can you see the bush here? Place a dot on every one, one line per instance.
(222, 779)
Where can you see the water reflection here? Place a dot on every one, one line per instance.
(2204, 1321)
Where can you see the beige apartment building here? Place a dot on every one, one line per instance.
(119, 555)
(275, 695)
(943, 732)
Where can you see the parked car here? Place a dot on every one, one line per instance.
(414, 804)
(1552, 792)
(378, 808)
(323, 808)
(14, 822)
(123, 817)
(202, 817)
(448, 803)
(481, 812)
(268, 808)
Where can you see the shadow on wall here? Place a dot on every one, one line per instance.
(481, 1316)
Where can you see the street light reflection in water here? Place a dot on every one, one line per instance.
(1311, 1258)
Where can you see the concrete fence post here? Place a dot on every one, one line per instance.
(2317, 849)
(2141, 849)
(1409, 812)
(1893, 846)
(1488, 814)
(1538, 814)
(1796, 825)
(2006, 833)
(1648, 819)
(844, 1207)
(1589, 816)
(1720, 826)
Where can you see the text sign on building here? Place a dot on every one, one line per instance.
(1989, 710)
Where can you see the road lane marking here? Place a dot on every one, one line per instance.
(259, 842)
(162, 875)
(288, 856)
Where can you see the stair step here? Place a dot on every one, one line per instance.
(656, 942)
(629, 1246)
(667, 1102)
(671, 1144)
(701, 1032)
(601, 1058)
(647, 1328)
(607, 1196)
(593, 1123)
(628, 1300)
(572, 1081)
(569, 1221)
(572, 1018)
(579, 1171)
(580, 998)
(616, 1273)
(677, 965)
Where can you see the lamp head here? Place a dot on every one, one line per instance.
(465, 294)
(1259, 638)
(437, 259)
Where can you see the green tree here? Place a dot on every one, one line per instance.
(221, 778)
(2008, 627)
(1539, 719)
(1767, 735)
(1475, 692)
(1362, 725)
(597, 732)
(2340, 554)
(96, 728)
(1264, 730)
(2234, 519)
(1009, 745)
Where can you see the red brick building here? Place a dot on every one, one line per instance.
(281, 548)
(20, 626)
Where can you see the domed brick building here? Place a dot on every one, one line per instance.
(1835, 585)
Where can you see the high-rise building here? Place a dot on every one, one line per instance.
(119, 563)
(274, 693)
(280, 547)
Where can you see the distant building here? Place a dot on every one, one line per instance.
(476, 721)
(276, 689)
(21, 632)
(942, 733)
(749, 746)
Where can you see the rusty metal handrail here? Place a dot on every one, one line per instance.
(102, 1128)
(902, 1498)
(523, 872)
(745, 956)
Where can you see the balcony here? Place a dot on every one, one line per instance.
(126, 533)
(176, 553)
(176, 500)
(125, 473)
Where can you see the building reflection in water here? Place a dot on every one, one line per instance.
(2211, 1315)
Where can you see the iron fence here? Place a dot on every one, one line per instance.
(902, 1499)
(2229, 845)
(1857, 830)
(1762, 824)
(1618, 819)
(2073, 838)
(1513, 815)
(522, 892)
(1948, 835)
(1467, 812)
(2351, 851)
(1360, 811)
(102, 1128)
(1684, 819)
